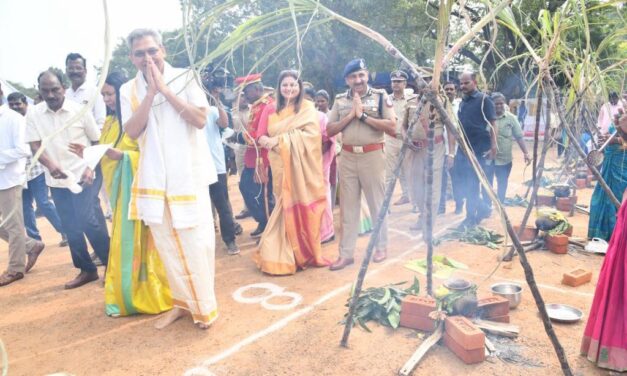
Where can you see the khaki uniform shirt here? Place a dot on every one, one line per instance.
(421, 125)
(399, 109)
(357, 133)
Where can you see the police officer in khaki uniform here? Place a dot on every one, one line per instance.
(362, 115)
(415, 163)
(393, 144)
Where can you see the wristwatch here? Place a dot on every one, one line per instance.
(363, 116)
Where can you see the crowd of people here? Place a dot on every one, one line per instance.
(165, 172)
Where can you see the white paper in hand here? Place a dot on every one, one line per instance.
(71, 182)
(93, 154)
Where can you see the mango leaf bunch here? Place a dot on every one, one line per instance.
(382, 304)
(475, 235)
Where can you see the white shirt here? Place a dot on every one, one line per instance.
(42, 122)
(203, 169)
(214, 139)
(83, 94)
(13, 149)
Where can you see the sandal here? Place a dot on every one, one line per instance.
(7, 277)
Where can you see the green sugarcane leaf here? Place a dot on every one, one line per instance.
(394, 318)
(414, 289)
(363, 325)
(385, 298)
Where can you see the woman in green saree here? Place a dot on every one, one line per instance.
(135, 280)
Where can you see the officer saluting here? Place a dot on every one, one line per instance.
(362, 115)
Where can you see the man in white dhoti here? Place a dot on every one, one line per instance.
(165, 109)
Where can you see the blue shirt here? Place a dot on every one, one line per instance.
(212, 133)
(475, 113)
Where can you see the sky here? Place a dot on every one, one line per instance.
(37, 34)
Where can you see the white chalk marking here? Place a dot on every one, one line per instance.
(303, 311)
(275, 292)
(548, 287)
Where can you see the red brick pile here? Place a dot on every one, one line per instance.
(461, 336)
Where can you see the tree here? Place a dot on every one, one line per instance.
(30, 92)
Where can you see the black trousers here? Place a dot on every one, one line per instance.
(219, 193)
(457, 183)
(475, 206)
(255, 195)
(81, 216)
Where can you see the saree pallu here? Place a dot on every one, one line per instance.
(602, 211)
(136, 281)
(605, 337)
(292, 236)
(365, 220)
(326, 227)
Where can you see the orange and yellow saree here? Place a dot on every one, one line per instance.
(292, 237)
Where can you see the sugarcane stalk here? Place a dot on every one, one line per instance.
(374, 236)
(428, 207)
(431, 96)
(537, 178)
(529, 276)
(553, 90)
(536, 136)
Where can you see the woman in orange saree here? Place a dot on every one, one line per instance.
(291, 240)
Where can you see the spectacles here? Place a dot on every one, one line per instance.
(150, 52)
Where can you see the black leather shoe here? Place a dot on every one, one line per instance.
(243, 214)
(257, 233)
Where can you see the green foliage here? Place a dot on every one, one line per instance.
(475, 235)
(30, 92)
(382, 304)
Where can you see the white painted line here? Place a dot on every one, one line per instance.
(547, 287)
(303, 311)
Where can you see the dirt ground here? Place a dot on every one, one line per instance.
(47, 329)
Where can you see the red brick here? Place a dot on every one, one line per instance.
(492, 306)
(577, 277)
(417, 322)
(504, 319)
(467, 356)
(418, 305)
(464, 332)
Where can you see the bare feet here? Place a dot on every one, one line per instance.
(169, 317)
(203, 326)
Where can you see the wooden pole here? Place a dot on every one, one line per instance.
(428, 207)
(538, 171)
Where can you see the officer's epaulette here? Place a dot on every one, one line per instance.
(411, 97)
(341, 95)
(378, 91)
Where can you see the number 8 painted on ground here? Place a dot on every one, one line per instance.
(274, 291)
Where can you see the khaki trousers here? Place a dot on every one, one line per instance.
(360, 172)
(392, 150)
(416, 168)
(12, 230)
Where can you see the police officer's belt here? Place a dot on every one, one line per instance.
(362, 149)
(424, 143)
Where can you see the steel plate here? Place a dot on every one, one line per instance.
(563, 313)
